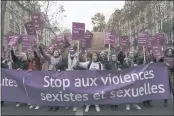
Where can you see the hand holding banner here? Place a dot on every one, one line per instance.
(77, 88)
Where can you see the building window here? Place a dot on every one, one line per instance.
(159, 26)
(11, 22)
(10, 3)
(142, 19)
(22, 30)
(17, 8)
(17, 28)
(22, 13)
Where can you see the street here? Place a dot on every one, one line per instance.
(158, 109)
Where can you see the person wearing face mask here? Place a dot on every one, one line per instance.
(92, 65)
(53, 61)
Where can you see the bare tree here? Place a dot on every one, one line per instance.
(3, 5)
(52, 15)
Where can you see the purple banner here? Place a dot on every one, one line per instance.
(71, 88)
(78, 31)
(30, 28)
(143, 38)
(36, 19)
(27, 42)
(13, 39)
(110, 37)
(157, 51)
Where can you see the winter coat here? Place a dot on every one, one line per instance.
(34, 64)
(17, 63)
(53, 61)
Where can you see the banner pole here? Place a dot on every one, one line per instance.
(109, 51)
(78, 49)
(144, 54)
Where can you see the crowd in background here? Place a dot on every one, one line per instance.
(55, 60)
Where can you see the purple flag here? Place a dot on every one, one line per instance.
(30, 28)
(110, 36)
(27, 42)
(13, 39)
(36, 19)
(78, 31)
(143, 38)
(73, 88)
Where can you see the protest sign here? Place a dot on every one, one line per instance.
(143, 38)
(83, 44)
(27, 42)
(124, 42)
(158, 39)
(30, 28)
(36, 20)
(157, 51)
(110, 36)
(73, 88)
(13, 39)
(78, 31)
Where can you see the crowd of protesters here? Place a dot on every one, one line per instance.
(54, 60)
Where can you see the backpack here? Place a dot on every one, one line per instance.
(91, 63)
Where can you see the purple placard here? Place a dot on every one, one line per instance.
(27, 42)
(88, 38)
(36, 19)
(47, 88)
(83, 43)
(158, 39)
(157, 51)
(13, 39)
(169, 60)
(30, 28)
(124, 42)
(78, 31)
(110, 36)
(143, 38)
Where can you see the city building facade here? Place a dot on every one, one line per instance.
(136, 16)
(17, 13)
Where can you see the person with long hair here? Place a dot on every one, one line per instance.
(92, 65)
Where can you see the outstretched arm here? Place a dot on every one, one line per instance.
(14, 57)
(43, 54)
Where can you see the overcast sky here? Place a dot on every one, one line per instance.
(82, 11)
